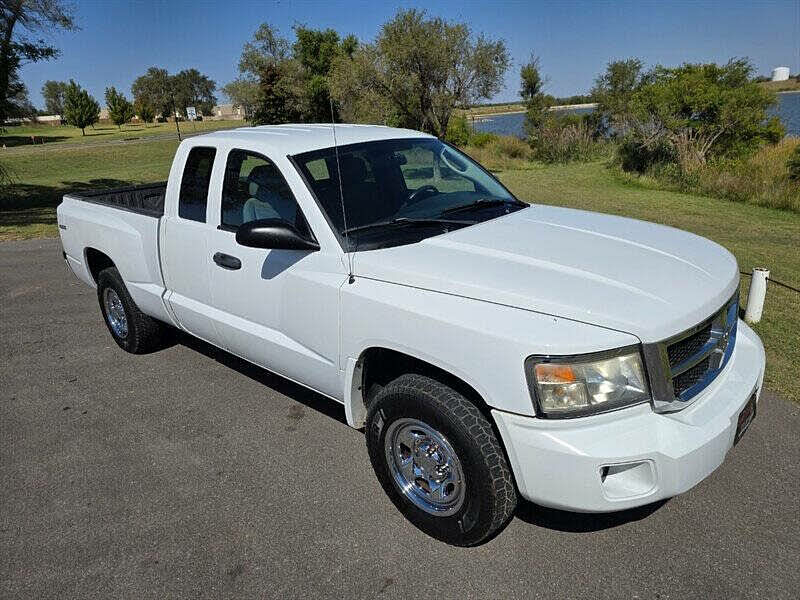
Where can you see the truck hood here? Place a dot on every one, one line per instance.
(645, 279)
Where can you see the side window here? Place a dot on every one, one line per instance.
(255, 189)
(194, 184)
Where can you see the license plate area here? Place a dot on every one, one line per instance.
(746, 417)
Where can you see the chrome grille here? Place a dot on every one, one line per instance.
(681, 367)
(684, 381)
(684, 349)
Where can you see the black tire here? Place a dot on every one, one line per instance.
(144, 334)
(490, 496)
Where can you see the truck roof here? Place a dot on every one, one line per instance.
(305, 137)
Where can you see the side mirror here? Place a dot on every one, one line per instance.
(273, 234)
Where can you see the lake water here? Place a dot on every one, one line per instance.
(787, 109)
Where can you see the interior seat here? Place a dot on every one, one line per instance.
(362, 197)
(266, 200)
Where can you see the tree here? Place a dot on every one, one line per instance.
(425, 68)
(119, 109)
(23, 107)
(53, 93)
(273, 71)
(266, 48)
(154, 88)
(613, 91)
(698, 111)
(191, 88)
(262, 56)
(277, 102)
(316, 51)
(532, 92)
(80, 109)
(144, 111)
(20, 19)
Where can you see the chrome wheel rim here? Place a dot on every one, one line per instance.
(425, 467)
(115, 313)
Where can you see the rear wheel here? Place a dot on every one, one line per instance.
(132, 330)
(439, 461)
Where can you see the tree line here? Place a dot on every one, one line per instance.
(155, 94)
(415, 74)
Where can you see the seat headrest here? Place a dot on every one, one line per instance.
(353, 169)
(262, 178)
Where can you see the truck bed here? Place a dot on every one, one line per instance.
(147, 199)
(123, 224)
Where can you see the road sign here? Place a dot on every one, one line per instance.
(191, 113)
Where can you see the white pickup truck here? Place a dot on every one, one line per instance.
(490, 348)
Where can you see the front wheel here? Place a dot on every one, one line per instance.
(439, 461)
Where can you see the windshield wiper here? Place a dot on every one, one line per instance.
(482, 203)
(406, 221)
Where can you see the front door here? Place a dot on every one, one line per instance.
(276, 308)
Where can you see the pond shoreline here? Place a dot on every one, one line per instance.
(512, 122)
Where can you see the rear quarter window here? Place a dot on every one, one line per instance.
(194, 184)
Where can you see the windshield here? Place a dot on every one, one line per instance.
(401, 191)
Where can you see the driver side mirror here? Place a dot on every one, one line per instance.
(273, 234)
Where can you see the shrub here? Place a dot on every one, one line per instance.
(634, 157)
(701, 111)
(458, 131)
(498, 153)
(565, 139)
(510, 147)
(764, 179)
(793, 164)
(482, 139)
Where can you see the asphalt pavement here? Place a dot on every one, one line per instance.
(188, 473)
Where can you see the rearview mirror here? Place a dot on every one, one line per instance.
(273, 234)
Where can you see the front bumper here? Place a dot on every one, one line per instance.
(633, 456)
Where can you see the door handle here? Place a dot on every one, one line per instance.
(226, 261)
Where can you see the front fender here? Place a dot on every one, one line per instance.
(482, 343)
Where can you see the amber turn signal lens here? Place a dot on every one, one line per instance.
(552, 373)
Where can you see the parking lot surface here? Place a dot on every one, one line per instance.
(188, 473)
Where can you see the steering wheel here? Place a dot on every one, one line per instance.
(418, 194)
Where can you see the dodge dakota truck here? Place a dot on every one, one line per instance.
(489, 348)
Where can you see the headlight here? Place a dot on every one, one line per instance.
(572, 386)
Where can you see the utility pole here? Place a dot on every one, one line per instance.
(175, 116)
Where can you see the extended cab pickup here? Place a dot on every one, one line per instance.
(490, 348)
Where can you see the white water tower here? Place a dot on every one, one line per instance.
(780, 73)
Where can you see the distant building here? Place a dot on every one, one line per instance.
(49, 119)
(227, 112)
(42, 119)
(780, 73)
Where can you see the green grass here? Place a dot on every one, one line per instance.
(790, 85)
(14, 137)
(758, 236)
(27, 207)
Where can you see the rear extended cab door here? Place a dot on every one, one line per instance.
(276, 308)
(184, 239)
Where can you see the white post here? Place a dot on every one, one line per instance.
(755, 298)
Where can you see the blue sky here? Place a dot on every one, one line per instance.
(119, 40)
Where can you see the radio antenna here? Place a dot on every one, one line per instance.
(350, 278)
